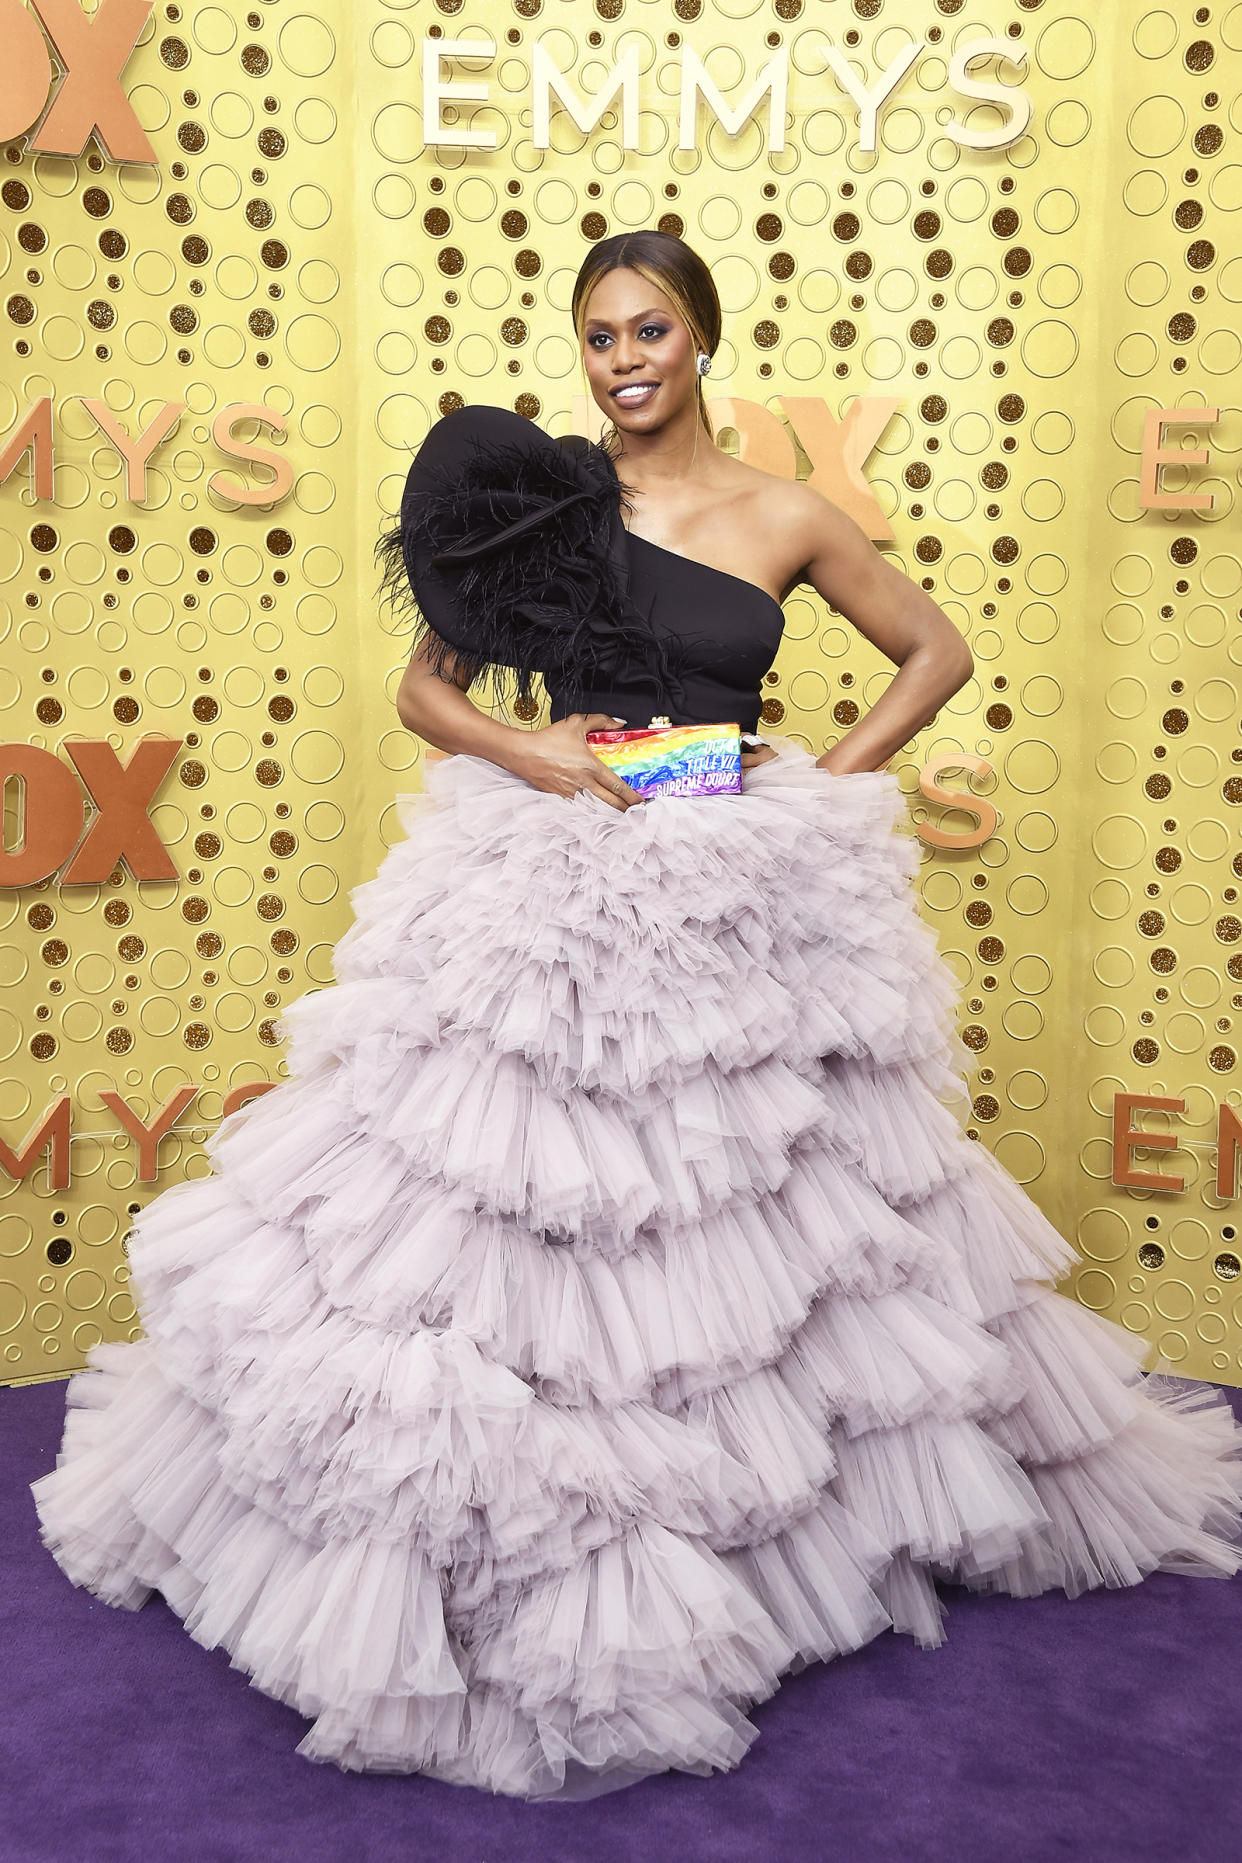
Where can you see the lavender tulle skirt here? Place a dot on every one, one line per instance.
(610, 1315)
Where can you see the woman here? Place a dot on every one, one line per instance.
(610, 1316)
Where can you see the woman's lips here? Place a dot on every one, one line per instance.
(635, 399)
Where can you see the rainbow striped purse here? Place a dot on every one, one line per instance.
(674, 760)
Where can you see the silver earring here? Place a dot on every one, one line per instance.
(705, 363)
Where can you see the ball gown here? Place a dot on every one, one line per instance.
(609, 1315)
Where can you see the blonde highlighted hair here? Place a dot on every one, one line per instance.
(667, 262)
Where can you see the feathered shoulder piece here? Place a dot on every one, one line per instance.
(509, 552)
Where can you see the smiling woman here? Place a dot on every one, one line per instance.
(611, 1315)
(630, 351)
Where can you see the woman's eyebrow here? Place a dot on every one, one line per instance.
(638, 317)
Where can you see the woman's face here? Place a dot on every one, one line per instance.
(631, 335)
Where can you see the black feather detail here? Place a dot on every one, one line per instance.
(506, 557)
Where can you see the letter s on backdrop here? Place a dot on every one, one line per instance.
(222, 433)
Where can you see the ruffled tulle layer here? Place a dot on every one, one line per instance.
(610, 1315)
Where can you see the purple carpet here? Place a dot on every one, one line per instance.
(1102, 1728)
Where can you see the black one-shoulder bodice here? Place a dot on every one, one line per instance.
(725, 632)
(513, 549)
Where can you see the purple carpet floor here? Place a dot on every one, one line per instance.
(1103, 1728)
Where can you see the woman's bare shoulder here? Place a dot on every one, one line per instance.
(772, 497)
(786, 513)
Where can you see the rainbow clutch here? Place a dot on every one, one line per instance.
(674, 760)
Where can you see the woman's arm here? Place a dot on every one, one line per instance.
(902, 620)
(438, 709)
(557, 758)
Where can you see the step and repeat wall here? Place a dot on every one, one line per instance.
(988, 300)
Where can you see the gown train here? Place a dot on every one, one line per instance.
(610, 1314)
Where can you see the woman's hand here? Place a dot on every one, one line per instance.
(558, 760)
(763, 754)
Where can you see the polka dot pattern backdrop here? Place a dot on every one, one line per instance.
(220, 277)
(299, 250)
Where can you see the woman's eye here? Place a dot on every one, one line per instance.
(655, 330)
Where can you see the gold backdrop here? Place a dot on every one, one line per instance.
(297, 246)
